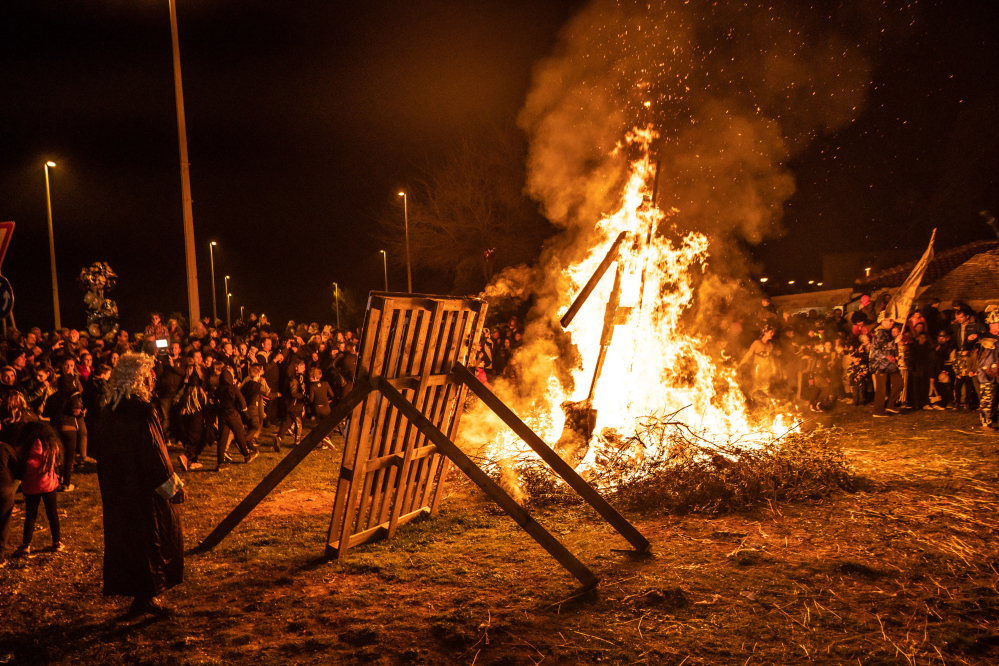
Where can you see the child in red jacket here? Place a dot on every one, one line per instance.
(39, 453)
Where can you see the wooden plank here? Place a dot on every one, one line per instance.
(481, 479)
(561, 467)
(459, 405)
(403, 428)
(287, 464)
(384, 482)
(591, 284)
(376, 533)
(352, 434)
(363, 440)
(411, 438)
(382, 429)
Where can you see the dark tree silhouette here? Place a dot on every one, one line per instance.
(468, 215)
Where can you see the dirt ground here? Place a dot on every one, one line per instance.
(903, 570)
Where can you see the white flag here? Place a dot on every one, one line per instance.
(899, 306)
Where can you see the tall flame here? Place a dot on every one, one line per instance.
(652, 366)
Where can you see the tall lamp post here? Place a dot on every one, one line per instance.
(193, 301)
(405, 217)
(211, 255)
(336, 303)
(228, 317)
(385, 264)
(55, 283)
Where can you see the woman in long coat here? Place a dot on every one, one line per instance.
(143, 535)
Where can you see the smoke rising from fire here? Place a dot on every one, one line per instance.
(735, 91)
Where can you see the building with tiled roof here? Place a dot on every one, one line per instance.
(969, 273)
(942, 265)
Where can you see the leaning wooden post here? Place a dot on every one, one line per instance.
(490, 487)
(560, 467)
(287, 464)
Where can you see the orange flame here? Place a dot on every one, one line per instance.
(652, 366)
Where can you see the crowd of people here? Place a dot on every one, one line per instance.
(67, 401)
(212, 387)
(934, 360)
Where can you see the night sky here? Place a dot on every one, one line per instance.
(304, 119)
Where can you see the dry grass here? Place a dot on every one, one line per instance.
(667, 465)
(902, 570)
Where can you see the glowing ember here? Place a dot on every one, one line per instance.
(652, 366)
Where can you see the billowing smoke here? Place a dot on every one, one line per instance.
(735, 91)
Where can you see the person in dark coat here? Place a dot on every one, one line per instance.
(143, 534)
(255, 392)
(169, 377)
(8, 470)
(295, 400)
(345, 368)
(191, 402)
(231, 406)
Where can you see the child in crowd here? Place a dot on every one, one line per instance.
(859, 373)
(39, 454)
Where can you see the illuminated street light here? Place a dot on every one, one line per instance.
(385, 264)
(764, 279)
(811, 282)
(405, 213)
(55, 283)
(228, 318)
(228, 298)
(211, 254)
(790, 281)
(868, 272)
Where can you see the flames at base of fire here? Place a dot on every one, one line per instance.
(652, 367)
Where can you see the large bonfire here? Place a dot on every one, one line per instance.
(652, 367)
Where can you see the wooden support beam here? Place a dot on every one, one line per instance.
(482, 480)
(591, 284)
(287, 464)
(561, 467)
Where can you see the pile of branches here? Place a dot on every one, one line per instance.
(666, 465)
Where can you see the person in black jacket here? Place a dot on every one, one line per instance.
(169, 377)
(255, 392)
(96, 394)
(294, 404)
(230, 407)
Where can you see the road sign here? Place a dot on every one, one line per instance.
(6, 230)
(6, 298)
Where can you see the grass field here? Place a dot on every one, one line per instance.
(903, 570)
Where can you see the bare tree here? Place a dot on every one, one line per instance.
(468, 215)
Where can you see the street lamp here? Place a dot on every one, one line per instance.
(215, 309)
(405, 213)
(241, 317)
(228, 318)
(385, 264)
(193, 300)
(228, 298)
(55, 284)
(336, 303)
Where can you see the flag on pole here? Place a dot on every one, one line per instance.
(901, 303)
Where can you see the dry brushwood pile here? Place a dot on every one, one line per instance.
(790, 565)
(666, 465)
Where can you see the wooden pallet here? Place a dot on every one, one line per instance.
(404, 413)
(391, 472)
